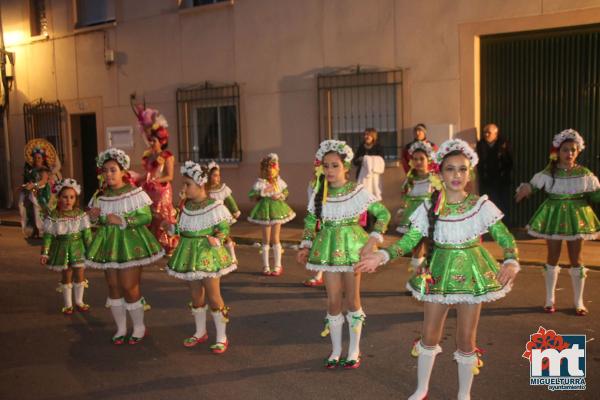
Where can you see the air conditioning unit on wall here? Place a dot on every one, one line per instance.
(120, 137)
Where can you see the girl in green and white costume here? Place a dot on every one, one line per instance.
(333, 242)
(416, 188)
(271, 211)
(200, 257)
(565, 214)
(67, 235)
(222, 192)
(459, 270)
(122, 244)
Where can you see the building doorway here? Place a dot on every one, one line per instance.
(85, 150)
(535, 84)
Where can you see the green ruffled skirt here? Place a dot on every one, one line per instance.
(463, 274)
(563, 219)
(114, 247)
(194, 258)
(270, 212)
(336, 247)
(66, 252)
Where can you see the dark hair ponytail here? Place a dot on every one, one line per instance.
(319, 199)
(432, 217)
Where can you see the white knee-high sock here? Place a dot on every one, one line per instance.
(231, 248)
(265, 255)
(221, 318)
(356, 320)
(117, 309)
(277, 251)
(67, 292)
(425, 363)
(550, 277)
(136, 312)
(200, 319)
(336, 323)
(578, 277)
(79, 288)
(466, 362)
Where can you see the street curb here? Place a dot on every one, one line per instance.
(10, 223)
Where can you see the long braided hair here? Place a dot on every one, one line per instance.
(320, 190)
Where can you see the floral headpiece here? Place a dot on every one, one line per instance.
(67, 183)
(198, 173)
(115, 154)
(421, 145)
(559, 138)
(212, 164)
(272, 159)
(43, 147)
(152, 123)
(338, 146)
(456, 145)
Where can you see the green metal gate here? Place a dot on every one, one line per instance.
(535, 84)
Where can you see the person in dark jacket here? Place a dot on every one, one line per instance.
(369, 147)
(420, 135)
(495, 166)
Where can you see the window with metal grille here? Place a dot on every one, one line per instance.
(195, 3)
(209, 126)
(44, 120)
(94, 12)
(37, 17)
(351, 102)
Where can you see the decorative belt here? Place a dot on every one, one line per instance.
(73, 236)
(192, 236)
(333, 224)
(456, 246)
(558, 197)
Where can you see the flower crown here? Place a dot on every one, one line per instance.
(571, 134)
(67, 183)
(338, 146)
(272, 159)
(422, 146)
(117, 155)
(198, 173)
(456, 145)
(212, 164)
(38, 150)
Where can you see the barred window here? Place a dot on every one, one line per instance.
(45, 120)
(94, 12)
(351, 102)
(209, 125)
(195, 3)
(37, 17)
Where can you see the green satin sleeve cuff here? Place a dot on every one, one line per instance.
(141, 216)
(505, 240)
(382, 216)
(231, 204)
(310, 225)
(403, 246)
(46, 244)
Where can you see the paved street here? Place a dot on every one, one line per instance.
(275, 352)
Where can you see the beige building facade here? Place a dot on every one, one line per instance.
(274, 50)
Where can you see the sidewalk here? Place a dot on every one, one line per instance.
(532, 251)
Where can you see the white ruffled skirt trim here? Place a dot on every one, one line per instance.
(198, 275)
(329, 268)
(460, 298)
(273, 221)
(128, 264)
(579, 236)
(60, 268)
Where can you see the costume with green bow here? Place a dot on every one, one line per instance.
(335, 241)
(195, 258)
(461, 270)
(129, 244)
(67, 235)
(566, 213)
(269, 210)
